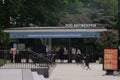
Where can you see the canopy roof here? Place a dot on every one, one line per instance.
(54, 32)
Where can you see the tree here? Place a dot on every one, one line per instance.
(75, 19)
(41, 12)
(1, 13)
(110, 6)
(101, 18)
(107, 40)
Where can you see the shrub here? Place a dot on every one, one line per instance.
(2, 62)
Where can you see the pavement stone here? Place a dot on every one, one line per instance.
(76, 72)
(10, 74)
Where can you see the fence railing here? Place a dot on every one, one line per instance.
(26, 60)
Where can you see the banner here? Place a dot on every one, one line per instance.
(110, 59)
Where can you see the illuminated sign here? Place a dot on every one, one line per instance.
(110, 59)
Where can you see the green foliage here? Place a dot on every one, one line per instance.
(16, 6)
(110, 6)
(107, 40)
(37, 12)
(2, 62)
(101, 18)
(1, 13)
(75, 6)
(48, 12)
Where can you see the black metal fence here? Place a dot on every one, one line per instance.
(26, 60)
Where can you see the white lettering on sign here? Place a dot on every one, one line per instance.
(80, 25)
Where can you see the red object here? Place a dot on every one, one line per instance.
(110, 59)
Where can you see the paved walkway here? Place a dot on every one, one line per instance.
(76, 72)
(10, 74)
(62, 72)
(19, 74)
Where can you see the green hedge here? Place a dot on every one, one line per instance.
(2, 62)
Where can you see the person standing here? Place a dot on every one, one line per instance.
(39, 51)
(61, 54)
(87, 57)
(78, 56)
(39, 48)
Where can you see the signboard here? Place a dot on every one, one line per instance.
(80, 26)
(110, 59)
(56, 35)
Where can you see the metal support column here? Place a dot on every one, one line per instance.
(69, 51)
(49, 43)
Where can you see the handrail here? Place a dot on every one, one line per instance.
(40, 55)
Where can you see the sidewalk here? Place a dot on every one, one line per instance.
(76, 72)
(16, 74)
(10, 74)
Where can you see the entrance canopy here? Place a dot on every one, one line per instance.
(55, 32)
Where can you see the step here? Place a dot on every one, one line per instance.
(27, 74)
(42, 71)
(38, 77)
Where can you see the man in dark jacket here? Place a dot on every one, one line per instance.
(87, 59)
